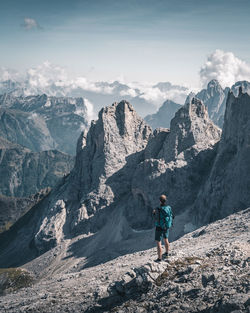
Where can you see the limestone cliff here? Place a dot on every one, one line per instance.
(227, 187)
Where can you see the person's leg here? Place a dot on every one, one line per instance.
(167, 246)
(159, 249)
(158, 235)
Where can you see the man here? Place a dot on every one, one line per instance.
(163, 221)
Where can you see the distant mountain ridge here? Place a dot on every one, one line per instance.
(164, 115)
(214, 97)
(144, 97)
(43, 123)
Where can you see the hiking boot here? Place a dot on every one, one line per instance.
(158, 260)
(165, 255)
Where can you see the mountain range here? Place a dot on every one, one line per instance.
(214, 97)
(145, 97)
(121, 168)
(43, 123)
(99, 216)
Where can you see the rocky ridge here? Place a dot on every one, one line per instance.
(207, 271)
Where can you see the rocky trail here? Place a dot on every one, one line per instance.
(207, 271)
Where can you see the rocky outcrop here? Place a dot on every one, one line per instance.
(26, 172)
(163, 116)
(214, 97)
(44, 123)
(227, 187)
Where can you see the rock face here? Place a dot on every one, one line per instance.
(43, 123)
(214, 97)
(24, 172)
(163, 116)
(227, 188)
(12, 208)
(181, 161)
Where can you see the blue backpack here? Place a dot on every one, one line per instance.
(165, 217)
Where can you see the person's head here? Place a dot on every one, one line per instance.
(163, 199)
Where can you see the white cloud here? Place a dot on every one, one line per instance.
(225, 67)
(89, 110)
(157, 97)
(30, 23)
(129, 92)
(47, 74)
(9, 74)
(56, 81)
(47, 77)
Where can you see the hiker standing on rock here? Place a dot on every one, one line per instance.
(163, 221)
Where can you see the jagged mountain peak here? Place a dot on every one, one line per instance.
(190, 128)
(121, 107)
(118, 132)
(244, 85)
(194, 108)
(214, 83)
(214, 97)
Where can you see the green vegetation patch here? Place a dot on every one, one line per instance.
(5, 227)
(176, 268)
(12, 279)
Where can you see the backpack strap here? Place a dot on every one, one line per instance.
(161, 211)
(159, 216)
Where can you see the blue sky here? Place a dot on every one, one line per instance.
(139, 40)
